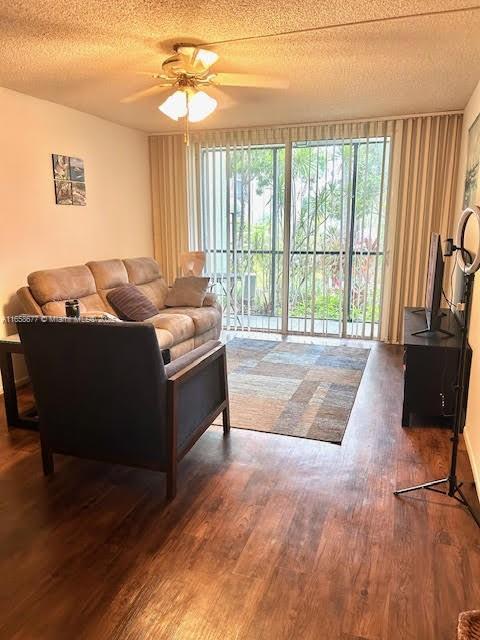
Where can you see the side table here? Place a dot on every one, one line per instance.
(29, 420)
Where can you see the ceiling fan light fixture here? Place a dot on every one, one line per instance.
(200, 106)
(197, 57)
(207, 57)
(175, 106)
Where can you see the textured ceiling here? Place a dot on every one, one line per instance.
(87, 54)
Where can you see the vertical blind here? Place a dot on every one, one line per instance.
(292, 221)
(409, 195)
(423, 183)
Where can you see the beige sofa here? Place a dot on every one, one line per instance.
(179, 329)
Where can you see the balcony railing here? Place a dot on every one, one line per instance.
(252, 299)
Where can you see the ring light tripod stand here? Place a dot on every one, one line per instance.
(453, 488)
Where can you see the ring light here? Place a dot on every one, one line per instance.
(453, 487)
(462, 223)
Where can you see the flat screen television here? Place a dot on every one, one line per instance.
(433, 297)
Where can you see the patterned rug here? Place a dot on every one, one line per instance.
(293, 389)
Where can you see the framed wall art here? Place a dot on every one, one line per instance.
(69, 180)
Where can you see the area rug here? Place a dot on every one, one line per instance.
(293, 389)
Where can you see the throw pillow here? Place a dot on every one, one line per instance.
(187, 292)
(131, 304)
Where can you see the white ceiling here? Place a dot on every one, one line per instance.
(86, 54)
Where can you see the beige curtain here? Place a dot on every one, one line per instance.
(423, 168)
(422, 200)
(168, 165)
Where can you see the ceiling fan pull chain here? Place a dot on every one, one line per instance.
(186, 136)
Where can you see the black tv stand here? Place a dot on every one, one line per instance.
(431, 365)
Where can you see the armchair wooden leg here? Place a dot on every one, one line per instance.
(226, 420)
(47, 456)
(171, 483)
(226, 411)
(172, 400)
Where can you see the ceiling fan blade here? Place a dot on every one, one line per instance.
(152, 74)
(146, 93)
(250, 80)
(224, 100)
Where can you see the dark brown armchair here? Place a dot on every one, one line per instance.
(103, 392)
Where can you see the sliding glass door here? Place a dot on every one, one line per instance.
(338, 206)
(242, 232)
(316, 269)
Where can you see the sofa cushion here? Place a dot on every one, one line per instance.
(211, 334)
(164, 338)
(146, 274)
(156, 291)
(92, 303)
(204, 318)
(108, 274)
(180, 326)
(66, 283)
(131, 304)
(141, 270)
(182, 347)
(187, 292)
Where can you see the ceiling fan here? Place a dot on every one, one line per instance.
(189, 71)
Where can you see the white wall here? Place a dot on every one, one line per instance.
(472, 429)
(35, 233)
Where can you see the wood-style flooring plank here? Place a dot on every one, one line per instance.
(269, 538)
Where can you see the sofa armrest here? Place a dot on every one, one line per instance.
(211, 300)
(28, 302)
(197, 393)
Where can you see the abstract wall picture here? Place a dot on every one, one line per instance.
(78, 193)
(63, 192)
(472, 182)
(69, 180)
(61, 167)
(77, 172)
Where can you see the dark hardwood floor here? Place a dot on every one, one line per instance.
(269, 538)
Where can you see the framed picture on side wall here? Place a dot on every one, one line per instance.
(77, 172)
(472, 183)
(63, 192)
(78, 193)
(61, 167)
(69, 180)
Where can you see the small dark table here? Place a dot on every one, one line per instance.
(29, 420)
(431, 364)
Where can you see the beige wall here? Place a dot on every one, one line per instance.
(472, 429)
(36, 233)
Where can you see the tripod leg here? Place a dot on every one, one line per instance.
(466, 504)
(425, 485)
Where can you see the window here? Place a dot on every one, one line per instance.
(315, 268)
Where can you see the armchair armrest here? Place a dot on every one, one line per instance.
(184, 362)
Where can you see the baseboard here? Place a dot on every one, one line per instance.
(473, 462)
(19, 383)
